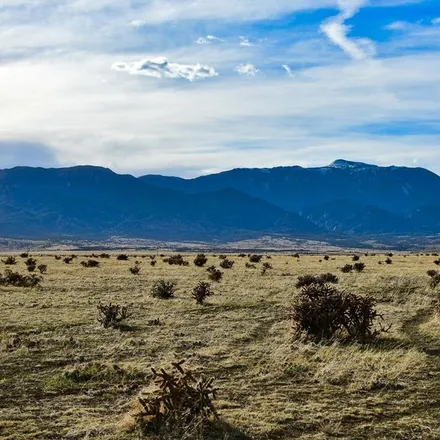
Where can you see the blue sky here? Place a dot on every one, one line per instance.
(189, 87)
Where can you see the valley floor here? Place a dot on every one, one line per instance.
(271, 385)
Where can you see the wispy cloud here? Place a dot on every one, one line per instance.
(247, 69)
(208, 39)
(162, 68)
(288, 70)
(245, 42)
(337, 31)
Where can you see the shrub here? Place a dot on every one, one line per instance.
(163, 289)
(250, 266)
(324, 312)
(42, 268)
(266, 267)
(347, 268)
(68, 260)
(242, 255)
(226, 264)
(176, 260)
(202, 291)
(10, 261)
(57, 257)
(181, 406)
(90, 263)
(307, 280)
(355, 258)
(24, 255)
(359, 267)
(255, 258)
(122, 257)
(326, 257)
(104, 256)
(222, 257)
(200, 260)
(31, 267)
(437, 262)
(214, 273)
(111, 315)
(135, 270)
(153, 263)
(435, 278)
(389, 261)
(17, 280)
(295, 255)
(390, 254)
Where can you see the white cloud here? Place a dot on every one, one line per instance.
(162, 68)
(247, 69)
(436, 21)
(337, 31)
(288, 70)
(398, 26)
(245, 42)
(208, 39)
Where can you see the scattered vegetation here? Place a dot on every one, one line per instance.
(122, 257)
(200, 260)
(347, 268)
(10, 261)
(214, 273)
(135, 270)
(359, 267)
(17, 280)
(255, 258)
(90, 263)
(307, 280)
(112, 315)
(202, 291)
(176, 260)
(163, 289)
(226, 264)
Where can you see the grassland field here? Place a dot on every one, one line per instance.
(272, 385)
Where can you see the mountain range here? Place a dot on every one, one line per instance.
(344, 198)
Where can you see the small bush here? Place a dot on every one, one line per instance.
(68, 260)
(437, 262)
(153, 263)
(307, 280)
(163, 289)
(24, 255)
(226, 264)
(432, 273)
(111, 315)
(359, 267)
(242, 255)
(200, 260)
(42, 268)
(135, 270)
(90, 263)
(104, 256)
(266, 266)
(57, 257)
(389, 254)
(222, 257)
(10, 261)
(324, 312)
(31, 267)
(355, 258)
(17, 280)
(201, 292)
(435, 278)
(326, 257)
(347, 268)
(181, 406)
(176, 260)
(389, 261)
(255, 258)
(122, 257)
(250, 266)
(214, 273)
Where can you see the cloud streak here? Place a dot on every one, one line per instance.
(337, 31)
(161, 68)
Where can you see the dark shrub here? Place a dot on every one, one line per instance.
(432, 273)
(214, 273)
(250, 266)
(153, 263)
(390, 254)
(10, 261)
(68, 260)
(111, 315)
(389, 261)
(17, 280)
(90, 263)
(24, 255)
(163, 289)
(347, 268)
(355, 258)
(201, 292)
(295, 255)
(104, 256)
(176, 260)
(226, 264)
(122, 257)
(437, 262)
(307, 280)
(242, 255)
(57, 257)
(181, 406)
(222, 257)
(255, 258)
(326, 257)
(42, 268)
(200, 260)
(135, 270)
(359, 267)
(324, 312)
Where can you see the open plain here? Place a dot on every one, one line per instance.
(64, 376)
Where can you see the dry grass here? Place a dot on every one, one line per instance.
(62, 376)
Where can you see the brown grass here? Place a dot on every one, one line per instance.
(271, 386)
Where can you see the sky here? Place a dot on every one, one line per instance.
(190, 87)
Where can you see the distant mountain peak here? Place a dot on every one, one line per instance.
(344, 164)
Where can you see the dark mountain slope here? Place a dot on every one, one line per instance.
(395, 189)
(96, 201)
